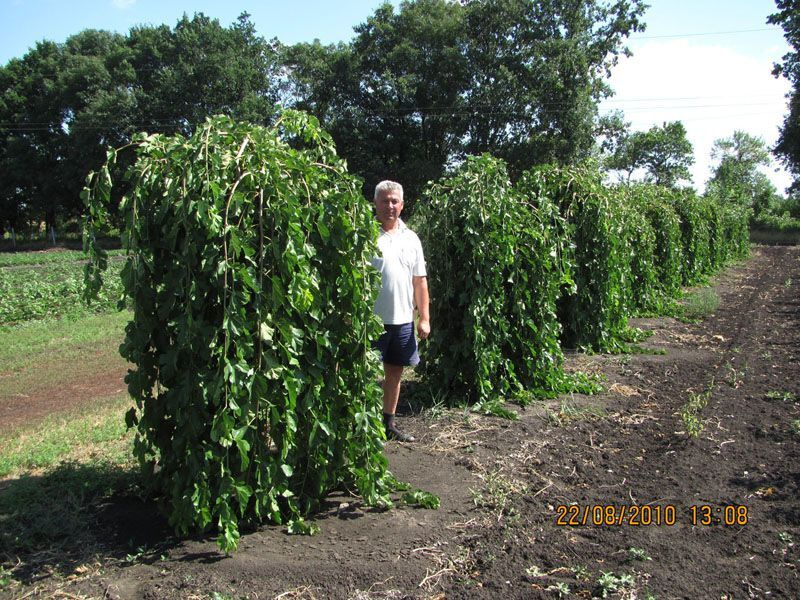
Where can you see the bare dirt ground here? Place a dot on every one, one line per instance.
(504, 487)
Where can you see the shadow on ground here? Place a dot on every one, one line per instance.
(56, 521)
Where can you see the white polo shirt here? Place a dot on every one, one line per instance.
(401, 260)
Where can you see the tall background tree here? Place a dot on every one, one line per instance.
(415, 91)
(663, 153)
(737, 176)
(62, 105)
(420, 88)
(788, 146)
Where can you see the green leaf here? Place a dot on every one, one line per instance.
(301, 527)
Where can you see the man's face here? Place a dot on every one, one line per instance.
(388, 205)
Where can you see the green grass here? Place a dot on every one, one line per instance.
(57, 355)
(569, 411)
(38, 357)
(56, 471)
(54, 512)
(699, 304)
(74, 435)
(24, 344)
(10, 259)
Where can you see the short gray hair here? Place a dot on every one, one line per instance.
(387, 186)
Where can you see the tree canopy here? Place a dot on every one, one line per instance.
(788, 146)
(663, 152)
(421, 87)
(62, 105)
(417, 89)
(737, 177)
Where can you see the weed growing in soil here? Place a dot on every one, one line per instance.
(572, 411)
(735, 377)
(561, 588)
(795, 425)
(783, 396)
(637, 554)
(422, 499)
(494, 407)
(608, 582)
(691, 410)
(497, 495)
(581, 572)
(700, 304)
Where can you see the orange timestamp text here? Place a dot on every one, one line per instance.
(645, 515)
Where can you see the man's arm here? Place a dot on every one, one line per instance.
(422, 301)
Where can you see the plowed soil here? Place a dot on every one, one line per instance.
(620, 471)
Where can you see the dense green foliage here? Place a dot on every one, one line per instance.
(579, 256)
(492, 261)
(788, 147)
(592, 307)
(248, 272)
(50, 288)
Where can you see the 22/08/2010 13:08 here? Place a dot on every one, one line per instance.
(575, 515)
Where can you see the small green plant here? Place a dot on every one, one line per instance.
(494, 407)
(136, 555)
(608, 582)
(300, 526)
(700, 304)
(497, 494)
(691, 410)
(561, 588)
(581, 572)
(783, 396)
(795, 426)
(637, 554)
(5, 577)
(572, 411)
(785, 537)
(735, 377)
(534, 571)
(422, 499)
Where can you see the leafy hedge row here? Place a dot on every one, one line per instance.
(578, 255)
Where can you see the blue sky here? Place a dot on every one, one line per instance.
(704, 62)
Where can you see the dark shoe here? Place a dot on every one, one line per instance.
(393, 433)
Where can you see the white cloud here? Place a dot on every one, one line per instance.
(713, 90)
(123, 4)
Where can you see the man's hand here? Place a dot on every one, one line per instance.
(423, 329)
(422, 301)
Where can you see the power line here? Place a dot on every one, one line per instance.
(704, 33)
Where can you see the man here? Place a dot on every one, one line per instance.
(403, 284)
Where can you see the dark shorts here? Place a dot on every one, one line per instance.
(398, 345)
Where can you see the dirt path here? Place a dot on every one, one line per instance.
(502, 485)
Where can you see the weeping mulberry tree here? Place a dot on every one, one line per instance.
(248, 272)
(494, 278)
